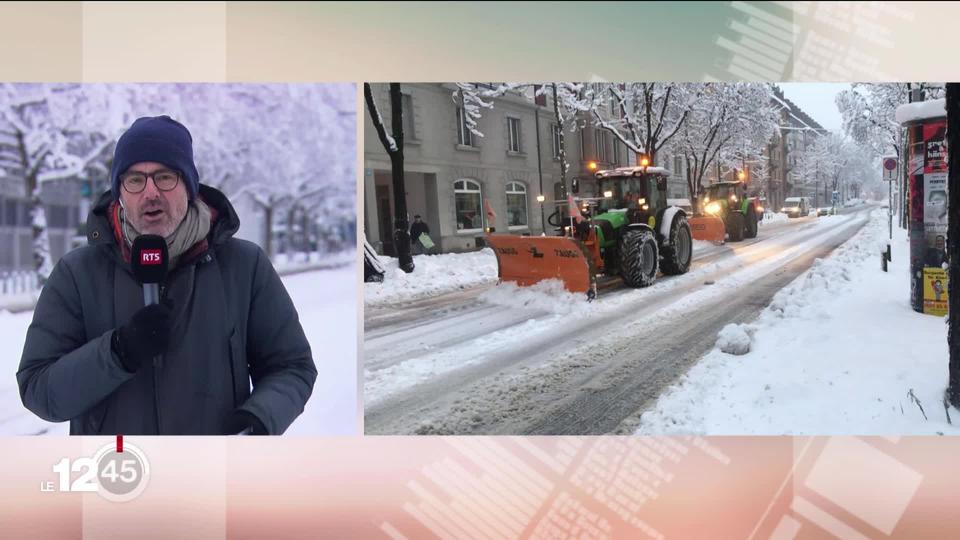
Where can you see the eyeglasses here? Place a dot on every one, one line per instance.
(135, 182)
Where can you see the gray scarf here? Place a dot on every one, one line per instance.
(194, 228)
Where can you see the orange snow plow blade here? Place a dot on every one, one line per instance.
(707, 228)
(527, 260)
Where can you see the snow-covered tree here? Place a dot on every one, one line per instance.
(819, 165)
(729, 124)
(566, 106)
(643, 116)
(473, 98)
(836, 163)
(284, 145)
(861, 173)
(868, 112)
(287, 147)
(695, 120)
(753, 126)
(393, 144)
(54, 132)
(565, 100)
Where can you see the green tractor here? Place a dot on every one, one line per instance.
(639, 231)
(741, 214)
(630, 231)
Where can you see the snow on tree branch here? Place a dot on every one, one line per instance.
(385, 137)
(474, 97)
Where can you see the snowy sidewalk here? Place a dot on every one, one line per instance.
(838, 351)
(433, 275)
(287, 266)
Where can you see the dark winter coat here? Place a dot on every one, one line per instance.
(417, 229)
(233, 322)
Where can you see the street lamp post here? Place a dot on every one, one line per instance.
(543, 223)
(536, 119)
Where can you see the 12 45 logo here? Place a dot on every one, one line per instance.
(117, 473)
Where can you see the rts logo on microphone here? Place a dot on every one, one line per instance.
(150, 256)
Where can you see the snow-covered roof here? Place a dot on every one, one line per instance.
(921, 110)
(630, 171)
(781, 101)
(796, 112)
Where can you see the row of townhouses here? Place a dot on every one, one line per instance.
(449, 171)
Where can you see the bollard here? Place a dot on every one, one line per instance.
(883, 260)
(888, 252)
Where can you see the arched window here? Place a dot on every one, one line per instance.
(467, 198)
(516, 205)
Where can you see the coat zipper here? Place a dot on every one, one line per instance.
(156, 391)
(157, 363)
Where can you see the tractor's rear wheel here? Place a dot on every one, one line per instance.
(639, 257)
(735, 226)
(751, 223)
(679, 252)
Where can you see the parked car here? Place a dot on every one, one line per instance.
(825, 211)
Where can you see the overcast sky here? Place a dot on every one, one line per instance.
(817, 100)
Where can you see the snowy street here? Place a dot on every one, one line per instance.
(498, 360)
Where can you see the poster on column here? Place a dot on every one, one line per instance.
(935, 203)
(935, 147)
(935, 291)
(935, 192)
(915, 163)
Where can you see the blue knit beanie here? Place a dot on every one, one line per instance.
(160, 139)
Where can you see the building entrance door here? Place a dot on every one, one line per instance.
(385, 217)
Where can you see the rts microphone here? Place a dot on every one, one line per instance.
(148, 260)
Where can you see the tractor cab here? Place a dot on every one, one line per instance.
(723, 194)
(637, 192)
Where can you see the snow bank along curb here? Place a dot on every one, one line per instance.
(17, 303)
(433, 275)
(826, 358)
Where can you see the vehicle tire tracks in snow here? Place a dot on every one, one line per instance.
(397, 332)
(591, 382)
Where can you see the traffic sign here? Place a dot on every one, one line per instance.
(889, 168)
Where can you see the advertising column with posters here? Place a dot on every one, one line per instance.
(935, 218)
(927, 191)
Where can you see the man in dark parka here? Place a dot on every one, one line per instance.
(96, 356)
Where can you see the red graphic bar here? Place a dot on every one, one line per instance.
(119, 444)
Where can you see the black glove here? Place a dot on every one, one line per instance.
(242, 422)
(146, 335)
